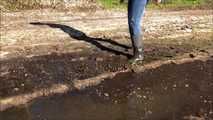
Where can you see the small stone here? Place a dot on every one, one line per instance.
(82, 58)
(174, 85)
(99, 59)
(149, 112)
(134, 92)
(186, 85)
(22, 84)
(16, 89)
(139, 96)
(25, 75)
(73, 60)
(188, 30)
(106, 94)
(193, 18)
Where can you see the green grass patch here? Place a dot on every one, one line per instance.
(108, 4)
(180, 4)
(166, 4)
(113, 4)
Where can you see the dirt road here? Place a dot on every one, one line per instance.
(64, 31)
(45, 49)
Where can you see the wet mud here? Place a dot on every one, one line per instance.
(23, 74)
(170, 92)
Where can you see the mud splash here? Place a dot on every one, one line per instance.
(170, 92)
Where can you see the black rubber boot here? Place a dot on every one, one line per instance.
(137, 57)
(137, 50)
(138, 54)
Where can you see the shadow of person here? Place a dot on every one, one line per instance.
(79, 35)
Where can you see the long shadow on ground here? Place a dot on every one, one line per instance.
(81, 36)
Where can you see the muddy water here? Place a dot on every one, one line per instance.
(171, 92)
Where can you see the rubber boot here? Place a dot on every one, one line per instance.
(138, 54)
(137, 50)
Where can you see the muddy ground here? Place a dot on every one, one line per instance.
(170, 92)
(44, 48)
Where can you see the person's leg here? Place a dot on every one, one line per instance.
(135, 14)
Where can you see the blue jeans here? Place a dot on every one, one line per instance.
(136, 10)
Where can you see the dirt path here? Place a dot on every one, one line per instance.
(20, 38)
(41, 49)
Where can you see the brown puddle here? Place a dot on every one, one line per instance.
(170, 92)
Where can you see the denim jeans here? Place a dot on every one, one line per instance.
(136, 10)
